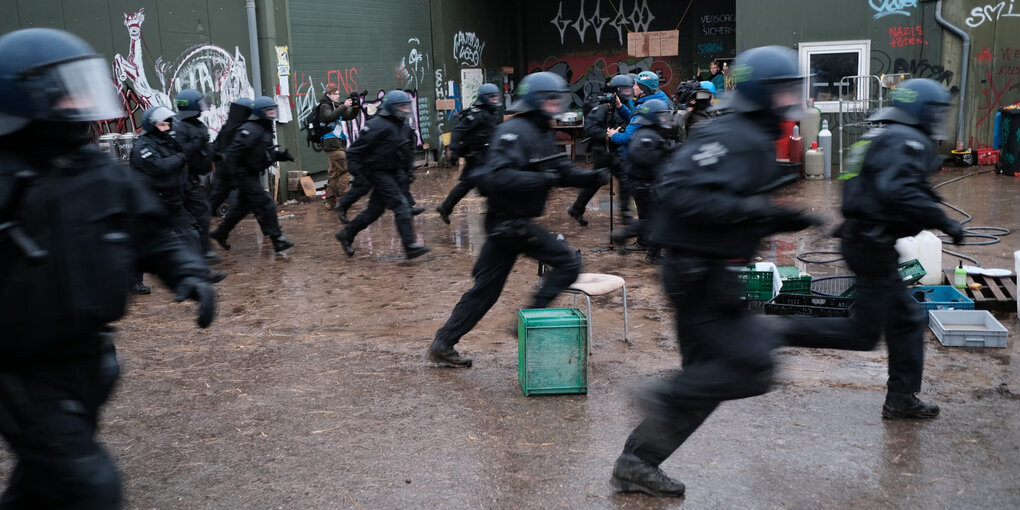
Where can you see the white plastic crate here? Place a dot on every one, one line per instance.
(967, 328)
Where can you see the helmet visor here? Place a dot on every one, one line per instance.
(939, 114)
(554, 103)
(80, 90)
(787, 102)
(402, 111)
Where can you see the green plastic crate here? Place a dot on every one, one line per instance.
(757, 284)
(552, 351)
(911, 271)
(795, 281)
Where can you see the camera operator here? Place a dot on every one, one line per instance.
(331, 112)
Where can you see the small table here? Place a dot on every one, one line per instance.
(576, 132)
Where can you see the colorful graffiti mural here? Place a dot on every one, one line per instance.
(587, 75)
(219, 74)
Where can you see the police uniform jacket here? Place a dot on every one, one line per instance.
(193, 135)
(645, 155)
(87, 212)
(470, 138)
(710, 197)
(385, 144)
(601, 118)
(251, 150)
(162, 161)
(516, 184)
(890, 197)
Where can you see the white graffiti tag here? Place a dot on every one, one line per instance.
(979, 15)
(638, 20)
(884, 8)
(467, 49)
(414, 65)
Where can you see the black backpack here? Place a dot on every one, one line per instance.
(314, 129)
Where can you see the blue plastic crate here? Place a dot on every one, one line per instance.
(941, 297)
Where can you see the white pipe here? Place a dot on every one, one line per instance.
(964, 68)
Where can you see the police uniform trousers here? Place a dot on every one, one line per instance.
(223, 185)
(336, 185)
(726, 355)
(49, 411)
(387, 193)
(360, 187)
(602, 158)
(644, 199)
(197, 205)
(882, 304)
(496, 260)
(252, 197)
(464, 186)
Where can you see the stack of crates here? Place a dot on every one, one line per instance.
(759, 285)
(552, 351)
(795, 281)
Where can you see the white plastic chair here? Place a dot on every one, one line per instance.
(594, 284)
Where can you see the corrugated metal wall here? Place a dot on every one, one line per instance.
(361, 46)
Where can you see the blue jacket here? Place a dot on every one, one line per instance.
(623, 139)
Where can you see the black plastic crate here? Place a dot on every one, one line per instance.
(815, 306)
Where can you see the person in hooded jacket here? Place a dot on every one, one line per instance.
(522, 165)
(222, 179)
(648, 148)
(76, 225)
(470, 140)
(384, 154)
(886, 196)
(250, 152)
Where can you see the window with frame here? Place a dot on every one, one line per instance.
(829, 63)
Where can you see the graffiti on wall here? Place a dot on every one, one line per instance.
(636, 20)
(718, 24)
(220, 75)
(901, 37)
(882, 63)
(414, 66)
(467, 49)
(991, 96)
(709, 48)
(587, 75)
(991, 12)
(885, 8)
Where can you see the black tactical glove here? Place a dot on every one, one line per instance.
(601, 177)
(954, 230)
(284, 155)
(199, 290)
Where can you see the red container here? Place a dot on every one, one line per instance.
(987, 157)
(783, 143)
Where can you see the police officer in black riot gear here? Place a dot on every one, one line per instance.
(603, 117)
(384, 153)
(193, 135)
(69, 246)
(249, 154)
(645, 153)
(888, 197)
(522, 165)
(470, 140)
(713, 210)
(223, 180)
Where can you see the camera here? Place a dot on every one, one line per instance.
(355, 98)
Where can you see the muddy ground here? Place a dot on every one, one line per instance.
(311, 389)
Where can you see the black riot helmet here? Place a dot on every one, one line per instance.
(623, 86)
(767, 79)
(264, 108)
(396, 103)
(654, 112)
(190, 103)
(917, 102)
(536, 89)
(489, 95)
(54, 76)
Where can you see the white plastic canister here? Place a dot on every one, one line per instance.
(929, 254)
(907, 247)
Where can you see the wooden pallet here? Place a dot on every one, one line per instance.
(997, 294)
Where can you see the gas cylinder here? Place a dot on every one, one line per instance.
(813, 161)
(796, 147)
(929, 254)
(810, 124)
(825, 143)
(907, 248)
(783, 143)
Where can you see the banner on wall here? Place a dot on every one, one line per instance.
(470, 81)
(664, 43)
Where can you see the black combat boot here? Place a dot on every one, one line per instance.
(579, 216)
(443, 214)
(341, 214)
(907, 405)
(216, 276)
(653, 256)
(619, 239)
(631, 474)
(415, 250)
(140, 288)
(212, 258)
(220, 237)
(281, 243)
(447, 356)
(345, 241)
(416, 210)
